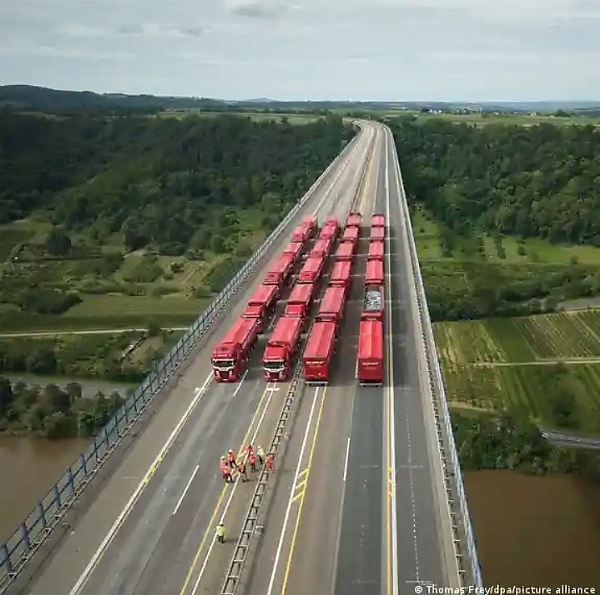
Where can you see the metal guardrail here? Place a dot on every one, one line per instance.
(439, 392)
(33, 531)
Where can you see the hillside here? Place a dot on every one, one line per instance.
(132, 217)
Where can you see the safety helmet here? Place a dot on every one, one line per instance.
(230, 451)
(222, 458)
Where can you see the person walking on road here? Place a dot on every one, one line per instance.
(261, 455)
(242, 471)
(221, 533)
(269, 462)
(252, 461)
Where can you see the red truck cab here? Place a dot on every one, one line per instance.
(332, 305)
(301, 234)
(354, 219)
(370, 353)
(345, 251)
(311, 271)
(318, 352)
(377, 220)
(376, 250)
(280, 271)
(281, 348)
(262, 305)
(310, 223)
(231, 353)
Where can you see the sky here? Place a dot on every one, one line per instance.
(389, 50)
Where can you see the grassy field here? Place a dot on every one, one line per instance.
(482, 248)
(523, 363)
(293, 118)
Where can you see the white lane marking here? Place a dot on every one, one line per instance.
(187, 487)
(346, 460)
(227, 504)
(85, 575)
(392, 413)
(292, 494)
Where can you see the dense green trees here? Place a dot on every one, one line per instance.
(539, 181)
(53, 412)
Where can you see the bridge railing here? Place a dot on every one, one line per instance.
(453, 464)
(47, 514)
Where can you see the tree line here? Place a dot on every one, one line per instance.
(53, 412)
(539, 181)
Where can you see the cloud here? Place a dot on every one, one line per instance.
(256, 9)
(148, 30)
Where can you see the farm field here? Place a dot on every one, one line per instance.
(531, 364)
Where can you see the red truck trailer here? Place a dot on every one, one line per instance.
(299, 302)
(345, 251)
(376, 250)
(280, 271)
(340, 274)
(351, 234)
(321, 248)
(332, 222)
(318, 352)
(332, 304)
(294, 249)
(312, 269)
(373, 303)
(231, 353)
(378, 220)
(281, 348)
(310, 222)
(377, 233)
(262, 305)
(354, 219)
(370, 353)
(374, 273)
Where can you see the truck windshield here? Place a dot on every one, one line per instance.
(274, 364)
(223, 363)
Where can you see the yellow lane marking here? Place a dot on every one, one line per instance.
(301, 495)
(209, 529)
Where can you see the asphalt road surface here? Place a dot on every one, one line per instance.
(150, 530)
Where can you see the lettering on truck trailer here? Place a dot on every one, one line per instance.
(318, 352)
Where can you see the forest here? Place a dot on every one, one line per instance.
(53, 412)
(134, 206)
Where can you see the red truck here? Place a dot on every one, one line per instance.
(294, 249)
(374, 273)
(301, 234)
(376, 250)
(280, 271)
(373, 303)
(354, 219)
(281, 348)
(340, 274)
(231, 353)
(378, 220)
(329, 233)
(345, 251)
(370, 353)
(351, 234)
(332, 222)
(321, 248)
(318, 352)
(262, 305)
(332, 305)
(312, 269)
(299, 302)
(310, 222)
(377, 233)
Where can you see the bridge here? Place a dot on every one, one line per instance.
(367, 494)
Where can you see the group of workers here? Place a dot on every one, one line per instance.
(229, 464)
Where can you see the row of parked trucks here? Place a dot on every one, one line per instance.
(370, 336)
(231, 354)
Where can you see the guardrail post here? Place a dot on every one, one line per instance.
(71, 479)
(83, 464)
(57, 495)
(42, 514)
(25, 534)
(6, 560)
(106, 439)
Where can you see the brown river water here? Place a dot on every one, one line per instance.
(535, 531)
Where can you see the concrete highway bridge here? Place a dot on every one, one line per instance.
(366, 496)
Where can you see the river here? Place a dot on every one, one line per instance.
(535, 531)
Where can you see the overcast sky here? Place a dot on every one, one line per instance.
(307, 49)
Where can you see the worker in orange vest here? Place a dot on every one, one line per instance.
(249, 449)
(242, 471)
(231, 458)
(269, 462)
(225, 470)
(252, 461)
